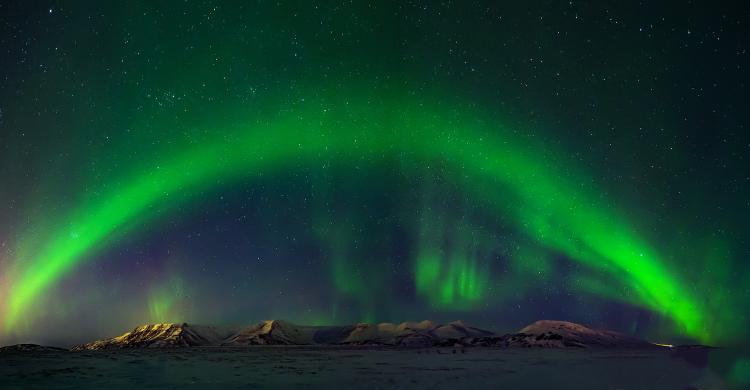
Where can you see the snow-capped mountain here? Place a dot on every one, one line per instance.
(163, 336)
(560, 334)
(273, 332)
(425, 333)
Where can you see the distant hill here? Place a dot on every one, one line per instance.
(540, 334)
(25, 348)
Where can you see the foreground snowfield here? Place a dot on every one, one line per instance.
(369, 368)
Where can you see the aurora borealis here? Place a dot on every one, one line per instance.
(343, 162)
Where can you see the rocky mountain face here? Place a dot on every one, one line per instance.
(544, 334)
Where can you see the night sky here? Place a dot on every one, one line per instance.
(496, 162)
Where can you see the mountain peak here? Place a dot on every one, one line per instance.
(272, 332)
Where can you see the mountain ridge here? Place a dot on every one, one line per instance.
(540, 334)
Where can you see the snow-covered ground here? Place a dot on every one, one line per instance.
(339, 367)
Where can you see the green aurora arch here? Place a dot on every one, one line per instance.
(563, 214)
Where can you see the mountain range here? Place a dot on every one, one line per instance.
(543, 334)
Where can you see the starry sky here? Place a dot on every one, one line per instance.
(340, 162)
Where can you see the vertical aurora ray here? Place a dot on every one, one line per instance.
(508, 177)
(451, 268)
(164, 301)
